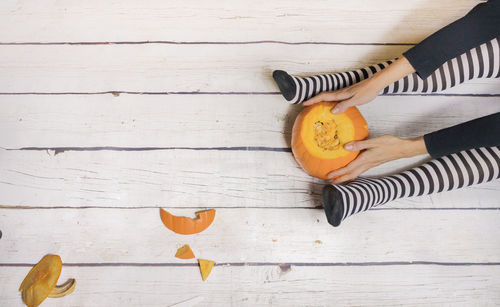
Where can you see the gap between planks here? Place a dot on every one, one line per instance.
(16, 207)
(58, 150)
(227, 93)
(203, 43)
(258, 264)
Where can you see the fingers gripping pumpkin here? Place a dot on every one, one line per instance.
(318, 138)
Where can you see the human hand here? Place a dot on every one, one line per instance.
(360, 93)
(366, 90)
(375, 152)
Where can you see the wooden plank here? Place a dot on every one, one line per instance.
(205, 120)
(251, 235)
(183, 68)
(186, 178)
(176, 20)
(267, 285)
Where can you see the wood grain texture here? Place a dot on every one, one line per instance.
(262, 286)
(187, 178)
(251, 235)
(205, 120)
(284, 20)
(184, 68)
(203, 126)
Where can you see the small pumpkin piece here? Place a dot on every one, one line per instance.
(185, 225)
(41, 280)
(65, 289)
(205, 268)
(185, 252)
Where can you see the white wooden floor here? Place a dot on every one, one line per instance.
(110, 110)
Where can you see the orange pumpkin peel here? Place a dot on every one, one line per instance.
(185, 225)
(184, 252)
(41, 281)
(318, 138)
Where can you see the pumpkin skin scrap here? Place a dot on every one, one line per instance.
(205, 268)
(185, 225)
(184, 252)
(318, 138)
(41, 280)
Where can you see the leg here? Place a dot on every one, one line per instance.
(444, 174)
(298, 89)
(480, 62)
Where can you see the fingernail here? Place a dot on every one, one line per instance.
(335, 110)
(348, 147)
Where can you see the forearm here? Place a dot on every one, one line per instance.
(481, 132)
(480, 25)
(413, 147)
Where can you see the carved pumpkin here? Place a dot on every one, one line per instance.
(318, 138)
(185, 225)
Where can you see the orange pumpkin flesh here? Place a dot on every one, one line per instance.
(318, 138)
(185, 252)
(205, 268)
(185, 225)
(41, 280)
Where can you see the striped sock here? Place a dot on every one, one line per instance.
(480, 62)
(446, 173)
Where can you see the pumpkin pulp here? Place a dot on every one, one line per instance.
(325, 134)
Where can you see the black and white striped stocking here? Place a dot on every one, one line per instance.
(480, 62)
(443, 174)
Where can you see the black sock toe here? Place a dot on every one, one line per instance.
(285, 83)
(332, 202)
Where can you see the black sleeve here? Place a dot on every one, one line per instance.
(479, 26)
(480, 132)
